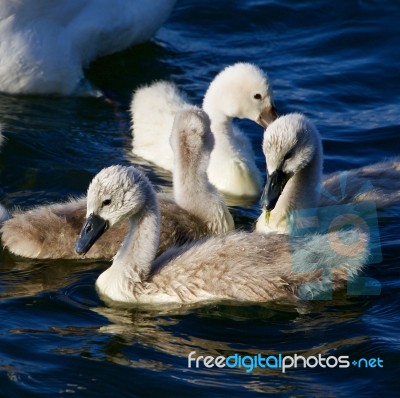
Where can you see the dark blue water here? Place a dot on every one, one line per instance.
(336, 61)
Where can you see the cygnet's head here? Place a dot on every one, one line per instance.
(116, 193)
(241, 91)
(290, 144)
(191, 138)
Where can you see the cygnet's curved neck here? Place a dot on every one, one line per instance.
(190, 183)
(301, 192)
(228, 147)
(132, 264)
(194, 193)
(221, 123)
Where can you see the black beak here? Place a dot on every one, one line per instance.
(273, 189)
(91, 231)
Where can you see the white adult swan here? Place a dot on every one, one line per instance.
(294, 156)
(45, 44)
(237, 266)
(239, 91)
(198, 209)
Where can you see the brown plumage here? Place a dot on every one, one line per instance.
(198, 209)
(378, 182)
(235, 266)
(51, 231)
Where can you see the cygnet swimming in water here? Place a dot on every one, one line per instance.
(235, 266)
(198, 210)
(239, 91)
(294, 157)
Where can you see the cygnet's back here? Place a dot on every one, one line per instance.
(50, 231)
(234, 266)
(149, 138)
(240, 91)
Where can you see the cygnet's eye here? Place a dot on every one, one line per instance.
(257, 96)
(106, 202)
(287, 156)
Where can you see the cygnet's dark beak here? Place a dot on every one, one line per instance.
(273, 189)
(267, 116)
(93, 227)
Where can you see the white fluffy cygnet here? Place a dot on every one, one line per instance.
(198, 210)
(294, 157)
(237, 266)
(239, 91)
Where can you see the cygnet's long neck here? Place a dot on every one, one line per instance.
(231, 168)
(132, 264)
(221, 124)
(301, 192)
(194, 193)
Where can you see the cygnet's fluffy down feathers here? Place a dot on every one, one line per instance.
(293, 151)
(236, 266)
(153, 110)
(256, 267)
(239, 91)
(50, 232)
(198, 210)
(378, 183)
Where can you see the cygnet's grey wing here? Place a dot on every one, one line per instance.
(379, 182)
(253, 267)
(51, 232)
(236, 266)
(177, 226)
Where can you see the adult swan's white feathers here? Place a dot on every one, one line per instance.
(198, 210)
(239, 91)
(238, 266)
(45, 44)
(294, 156)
